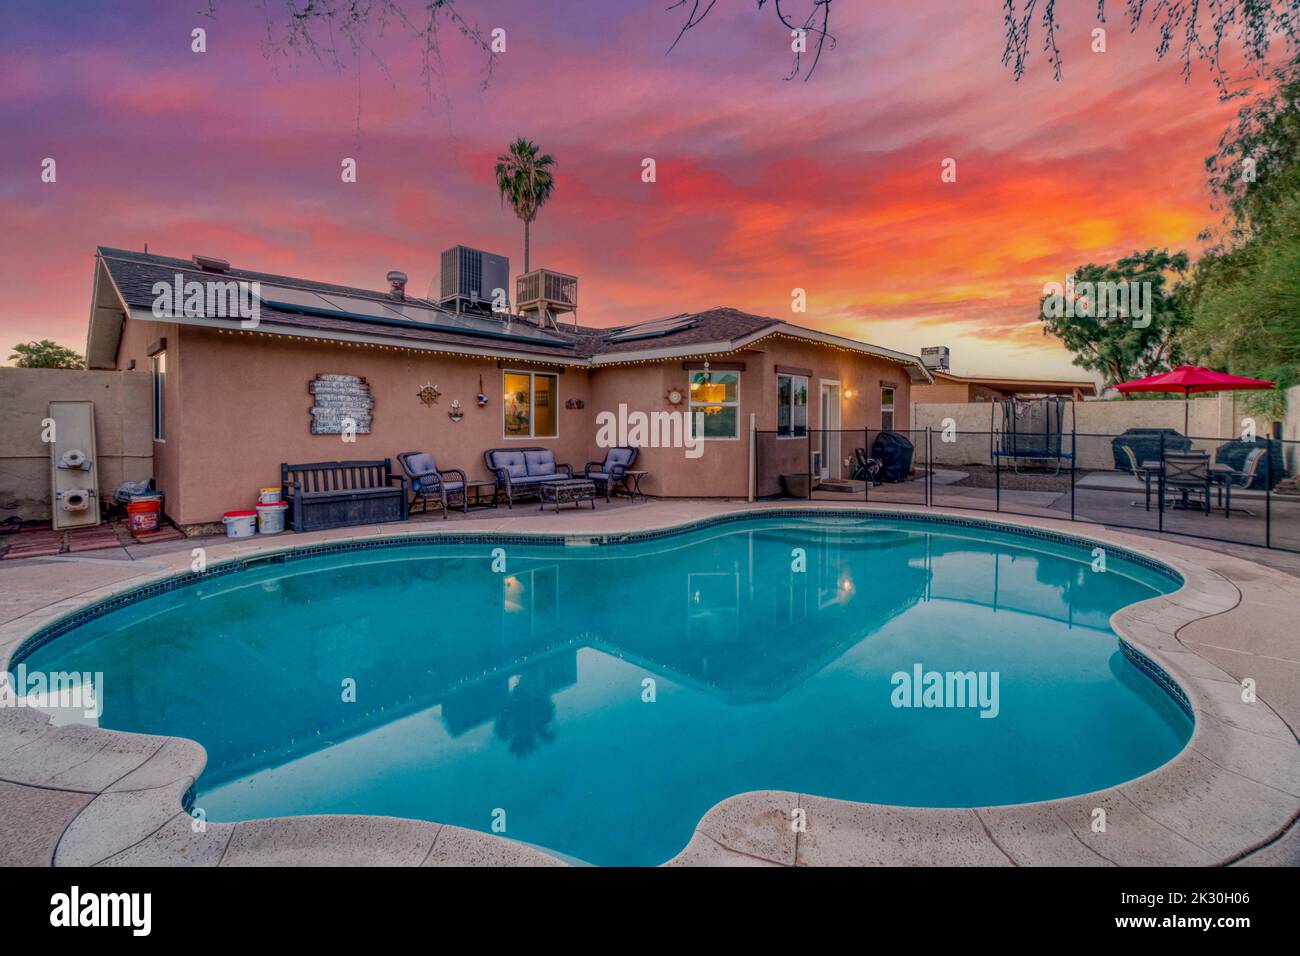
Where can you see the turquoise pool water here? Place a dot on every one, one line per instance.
(525, 691)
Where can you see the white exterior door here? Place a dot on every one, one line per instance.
(829, 445)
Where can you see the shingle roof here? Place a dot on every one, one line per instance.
(134, 274)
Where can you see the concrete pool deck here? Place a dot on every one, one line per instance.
(76, 795)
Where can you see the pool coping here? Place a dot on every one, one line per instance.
(1233, 789)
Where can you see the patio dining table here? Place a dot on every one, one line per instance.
(1220, 476)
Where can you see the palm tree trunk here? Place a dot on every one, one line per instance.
(525, 245)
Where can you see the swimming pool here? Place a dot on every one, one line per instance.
(599, 700)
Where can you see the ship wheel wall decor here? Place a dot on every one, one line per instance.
(429, 394)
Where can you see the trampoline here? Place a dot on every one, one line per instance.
(1031, 435)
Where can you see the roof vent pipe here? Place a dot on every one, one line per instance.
(397, 284)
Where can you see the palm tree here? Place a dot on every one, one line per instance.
(526, 181)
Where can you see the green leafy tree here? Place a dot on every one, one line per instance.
(1245, 297)
(1257, 166)
(1245, 306)
(526, 180)
(45, 354)
(1124, 346)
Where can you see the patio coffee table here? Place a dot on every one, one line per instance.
(576, 490)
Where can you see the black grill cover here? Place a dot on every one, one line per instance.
(894, 452)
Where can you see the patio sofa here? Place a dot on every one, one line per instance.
(519, 471)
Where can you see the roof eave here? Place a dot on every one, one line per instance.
(103, 332)
(271, 328)
(916, 369)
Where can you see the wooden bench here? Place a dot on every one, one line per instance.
(335, 494)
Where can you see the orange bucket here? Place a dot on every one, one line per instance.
(142, 514)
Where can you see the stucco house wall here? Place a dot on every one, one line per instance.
(237, 405)
(245, 409)
(942, 392)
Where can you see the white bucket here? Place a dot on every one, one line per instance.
(270, 517)
(240, 524)
(268, 496)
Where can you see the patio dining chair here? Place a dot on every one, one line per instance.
(1227, 480)
(1144, 475)
(430, 482)
(1188, 474)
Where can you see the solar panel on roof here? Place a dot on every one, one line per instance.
(295, 298)
(652, 329)
(355, 306)
(406, 314)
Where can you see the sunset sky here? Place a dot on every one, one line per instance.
(763, 185)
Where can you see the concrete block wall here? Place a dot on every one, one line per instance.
(123, 431)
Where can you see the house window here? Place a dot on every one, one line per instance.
(530, 407)
(158, 367)
(791, 406)
(715, 396)
(887, 409)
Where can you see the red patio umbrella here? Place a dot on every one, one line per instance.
(1193, 378)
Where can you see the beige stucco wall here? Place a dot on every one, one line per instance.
(1213, 419)
(123, 419)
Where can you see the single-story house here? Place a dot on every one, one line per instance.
(233, 398)
(949, 388)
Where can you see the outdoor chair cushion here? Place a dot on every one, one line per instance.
(421, 463)
(540, 463)
(513, 462)
(537, 479)
(619, 456)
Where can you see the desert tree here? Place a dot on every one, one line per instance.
(813, 22)
(1197, 28)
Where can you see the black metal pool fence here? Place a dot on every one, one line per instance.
(1232, 490)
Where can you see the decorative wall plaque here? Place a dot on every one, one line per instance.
(340, 397)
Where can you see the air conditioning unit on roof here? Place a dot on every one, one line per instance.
(474, 281)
